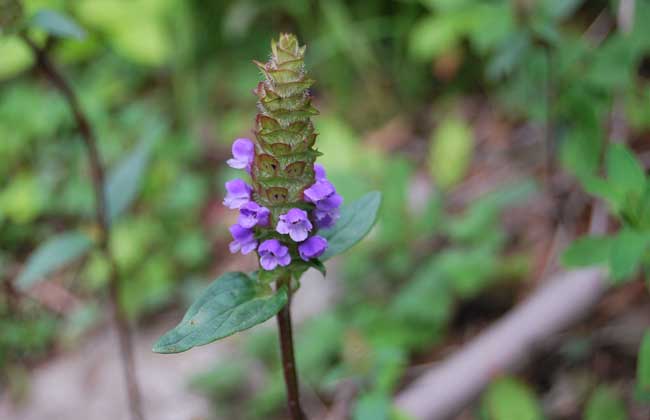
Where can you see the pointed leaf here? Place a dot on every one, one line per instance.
(627, 252)
(58, 24)
(643, 369)
(124, 181)
(588, 250)
(510, 399)
(605, 404)
(452, 146)
(624, 170)
(52, 255)
(232, 303)
(356, 221)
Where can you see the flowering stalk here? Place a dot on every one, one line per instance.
(290, 198)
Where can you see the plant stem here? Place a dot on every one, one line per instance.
(45, 64)
(288, 359)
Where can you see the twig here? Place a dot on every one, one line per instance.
(288, 359)
(45, 64)
(446, 389)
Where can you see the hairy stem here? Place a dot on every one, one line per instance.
(45, 64)
(288, 360)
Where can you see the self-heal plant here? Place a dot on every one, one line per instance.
(289, 213)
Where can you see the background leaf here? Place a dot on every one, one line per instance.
(605, 404)
(627, 252)
(624, 170)
(509, 399)
(451, 152)
(58, 24)
(588, 250)
(52, 255)
(643, 369)
(232, 303)
(356, 221)
(124, 181)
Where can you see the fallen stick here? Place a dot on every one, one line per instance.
(447, 388)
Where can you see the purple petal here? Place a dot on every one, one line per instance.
(312, 247)
(270, 245)
(319, 190)
(238, 194)
(268, 262)
(234, 247)
(252, 214)
(295, 223)
(334, 201)
(248, 247)
(282, 227)
(299, 232)
(243, 151)
(295, 216)
(284, 260)
(326, 219)
(244, 240)
(240, 233)
(321, 175)
(272, 253)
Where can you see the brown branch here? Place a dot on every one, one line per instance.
(98, 176)
(288, 359)
(445, 389)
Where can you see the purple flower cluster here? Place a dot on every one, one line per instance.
(295, 223)
(324, 196)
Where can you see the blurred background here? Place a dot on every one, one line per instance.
(475, 118)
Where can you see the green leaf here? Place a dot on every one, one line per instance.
(509, 399)
(433, 35)
(643, 369)
(232, 303)
(605, 404)
(560, 9)
(124, 181)
(356, 221)
(372, 406)
(603, 189)
(627, 251)
(624, 170)
(54, 254)
(588, 250)
(451, 152)
(58, 24)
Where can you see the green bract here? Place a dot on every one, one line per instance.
(284, 152)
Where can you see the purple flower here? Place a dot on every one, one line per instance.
(243, 151)
(273, 253)
(319, 170)
(296, 223)
(323, 194)
(239, 193)
(244, 240)
(312, 247)
(326, 218)
(252, 214)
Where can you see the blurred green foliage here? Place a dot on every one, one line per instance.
(185, 68)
